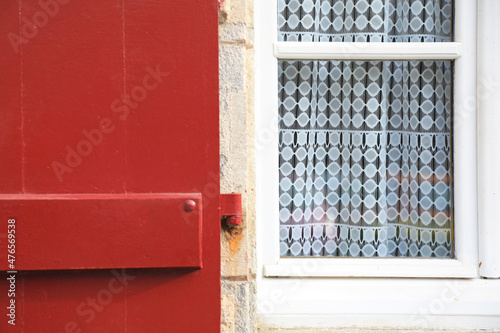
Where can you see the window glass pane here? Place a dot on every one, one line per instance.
(365, 158)
(365, 20)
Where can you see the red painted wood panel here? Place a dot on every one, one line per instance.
(59, 232)
(73, 70)
(10, 106)
(90, 109)
(75, 301)
(181, 37)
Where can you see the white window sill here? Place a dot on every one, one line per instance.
(376, 303)
(370, 267)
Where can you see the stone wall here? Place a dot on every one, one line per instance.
(237, 162)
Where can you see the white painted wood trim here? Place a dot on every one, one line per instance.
(395, 303)
(373, 267)
(266, 135)
(380, 323)
(488, 100)
(465, 137)
(367, 51)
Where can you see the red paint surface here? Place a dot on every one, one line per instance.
(230, 204)
(65, 84)
(231, 208)
(73, 231)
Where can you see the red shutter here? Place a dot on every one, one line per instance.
(109, 151)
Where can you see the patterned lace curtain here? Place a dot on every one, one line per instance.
(365, 146)
(365, 20)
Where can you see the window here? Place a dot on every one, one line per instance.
(365, 158)
(365, 155)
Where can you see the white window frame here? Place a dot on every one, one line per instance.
(318, 291)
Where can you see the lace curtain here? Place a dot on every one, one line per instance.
(365, 147)
(365, 20)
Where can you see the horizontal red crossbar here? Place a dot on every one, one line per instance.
(100, 231)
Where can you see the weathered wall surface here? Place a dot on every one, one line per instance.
(237, 166)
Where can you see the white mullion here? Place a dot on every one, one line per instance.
(367, 51)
